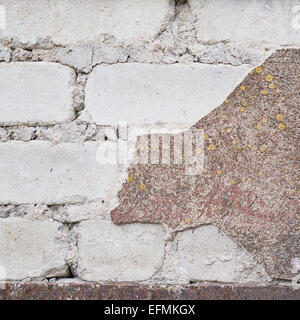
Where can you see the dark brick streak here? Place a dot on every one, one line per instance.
(115, 291)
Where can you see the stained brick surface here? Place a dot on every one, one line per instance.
(249, 185)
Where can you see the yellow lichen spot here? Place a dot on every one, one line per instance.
(263, 148)
(249, 146)
(282, 98)
(272, 86)
(279, 117)
(228, 130)
(255, 148)
(249, 179)
(292, 191)
(259, 173)
(258, 69)
(251, 72)
(259, 126)
(223, 116)
(219, 172)
(142, 186)
(232, 181)
(198, 150)
(206, 137)
(130, 178)
(264, 120)
(188, 220)
(264, 92)
(277, 91)
(269, 77)
(242, 109)
(227, 101)
(281, 126)
(211, 147)
(242, 88)
(279, 184)
(234, 141)
(239, 148)
(165, 146)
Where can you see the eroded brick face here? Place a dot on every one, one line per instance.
(248, 187)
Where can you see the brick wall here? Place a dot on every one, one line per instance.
(71, 72)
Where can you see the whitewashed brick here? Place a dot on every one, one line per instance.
(35, 93)
(149, 93)
(207, 254)
(31, 249)
(257, 21)
(109, 252)
(70, 21)
(39, 172)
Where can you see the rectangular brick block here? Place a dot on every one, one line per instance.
(35, 93)
(38, 172)
(149, 93)
(31, 249)
(70, 21)
(213, 256)
(257, 21)
(119, 253)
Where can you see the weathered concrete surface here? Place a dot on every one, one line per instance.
(119, 253)
(65, 183)
(70, 21)
(31, 249)
(248, 188)
(258, 21)
(207, 254)
(99, 291)
(40, 172)
(36, 93)
(148, 93)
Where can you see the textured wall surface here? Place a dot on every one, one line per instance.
(81, 80)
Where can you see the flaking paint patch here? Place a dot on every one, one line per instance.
(248, 187)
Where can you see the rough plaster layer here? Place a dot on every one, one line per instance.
(258, 21)
(31, 249)
(248, 187)
(119, 253)
(207, 254)
(39, 172)
(148, 93)
(35, 93)
(70, 21)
